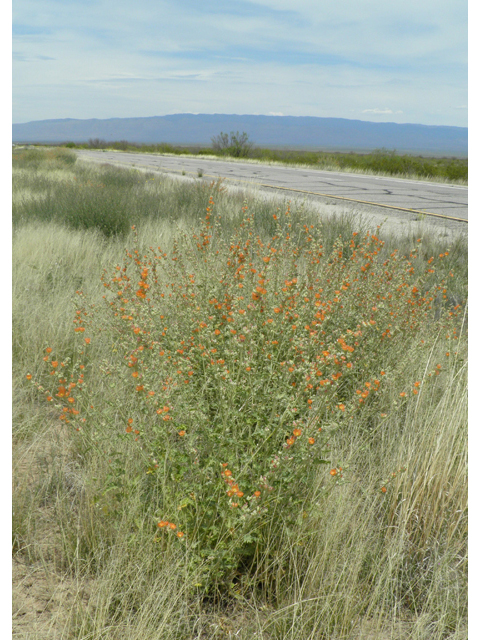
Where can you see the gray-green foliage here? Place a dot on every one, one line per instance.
(366, 564)
(236, 144)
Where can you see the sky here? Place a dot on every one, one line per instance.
(370, 60)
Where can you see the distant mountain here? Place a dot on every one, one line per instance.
(265, 131)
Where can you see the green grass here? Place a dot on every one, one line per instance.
(376, 551)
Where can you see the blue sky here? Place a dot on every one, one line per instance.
(368, 60)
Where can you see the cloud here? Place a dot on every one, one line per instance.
(275, 113)
(20, 57)
(385, 111)
(240, 57)
(19, 30)
(377, 111)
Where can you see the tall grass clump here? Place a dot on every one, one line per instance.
(105, 198)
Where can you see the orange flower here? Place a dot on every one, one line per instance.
(29, 376)
(403, 394)
(227, 472)
(311, 441)
(257, 494)
(87, 340)
(180, 534)
(333, 472)
(128, 429)
(172, 526)
(297, 432)
(48, 349)
(341, 407)
(383, 489)
(139, 387)
(181, 433)
(54, 364)
(162, 523)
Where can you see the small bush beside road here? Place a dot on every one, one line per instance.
(379, 162)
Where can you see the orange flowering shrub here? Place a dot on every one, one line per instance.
(232, 362)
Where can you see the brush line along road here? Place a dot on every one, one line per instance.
(411, 196)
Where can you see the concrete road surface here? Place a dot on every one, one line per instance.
(388, 196)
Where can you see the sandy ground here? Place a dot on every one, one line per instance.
(44, 593)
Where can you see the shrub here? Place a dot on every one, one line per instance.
(227, 367)
(97, 143)
(235, 144)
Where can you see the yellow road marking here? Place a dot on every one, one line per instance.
(316, 193)
(329, 195)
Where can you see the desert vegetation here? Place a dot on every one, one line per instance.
(386, 162)
(231, 418)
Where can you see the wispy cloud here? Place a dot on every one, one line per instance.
(240, 57)
(20, 30)
(20, 57)
(377, 111)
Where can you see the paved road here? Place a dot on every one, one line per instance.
(389, 193)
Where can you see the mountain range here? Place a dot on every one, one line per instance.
(300, 132)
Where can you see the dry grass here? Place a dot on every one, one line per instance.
(367, 565)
